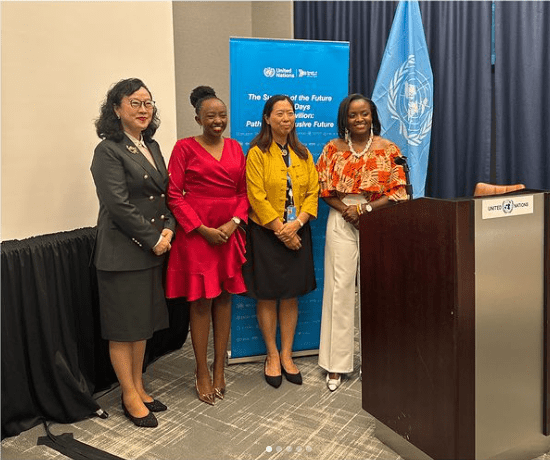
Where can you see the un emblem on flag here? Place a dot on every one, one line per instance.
(410, 102)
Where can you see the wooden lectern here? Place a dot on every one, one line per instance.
(455, 298)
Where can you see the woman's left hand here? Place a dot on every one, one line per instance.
(288, 231)
(293, 243)
(228, 228)
(350, 215)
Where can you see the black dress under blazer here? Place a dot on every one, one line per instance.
(132, 205)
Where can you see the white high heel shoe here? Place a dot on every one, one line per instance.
(333, 384)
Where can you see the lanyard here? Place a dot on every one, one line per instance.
(290, 209)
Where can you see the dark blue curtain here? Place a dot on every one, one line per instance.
(522, 93)
(459, 42)
(366, 25)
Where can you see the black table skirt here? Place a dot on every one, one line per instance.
(53, 357)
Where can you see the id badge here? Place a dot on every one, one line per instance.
(291, 213)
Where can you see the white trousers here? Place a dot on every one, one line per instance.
(337, 344)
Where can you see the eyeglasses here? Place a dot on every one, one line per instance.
(135, 104)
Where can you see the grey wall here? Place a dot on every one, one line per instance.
(47, 140)
(58, 61)
(201, 45)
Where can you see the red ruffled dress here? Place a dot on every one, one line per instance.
(203, 190)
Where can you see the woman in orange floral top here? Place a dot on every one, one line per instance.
(357, 175)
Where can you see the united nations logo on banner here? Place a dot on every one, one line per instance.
(269, 72)
(410, 102)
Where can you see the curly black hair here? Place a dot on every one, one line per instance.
(343, 115)
(108, 125)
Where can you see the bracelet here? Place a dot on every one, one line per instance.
(300, 222)
(359, 210)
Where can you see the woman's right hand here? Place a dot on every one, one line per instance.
(163, 245)
(213, 235)
(290, 241)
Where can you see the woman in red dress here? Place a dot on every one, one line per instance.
(207, 195)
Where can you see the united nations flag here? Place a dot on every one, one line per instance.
(403, 92)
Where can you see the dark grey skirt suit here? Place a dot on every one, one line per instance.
(132, 215)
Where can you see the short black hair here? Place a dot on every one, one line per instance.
(108, 125)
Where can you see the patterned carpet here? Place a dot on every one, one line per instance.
(254, 421)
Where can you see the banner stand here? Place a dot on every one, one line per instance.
(314, 75)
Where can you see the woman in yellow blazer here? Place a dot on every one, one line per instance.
(283, 188)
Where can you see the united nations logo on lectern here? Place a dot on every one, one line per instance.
(496, 207)
(507, 206)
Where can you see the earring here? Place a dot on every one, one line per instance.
(118, 116)
(371, 131)
(346, 134)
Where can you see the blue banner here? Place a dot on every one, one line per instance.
(314, 74)
(403, 92)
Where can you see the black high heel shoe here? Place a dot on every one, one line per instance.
(155, 406)
(149, 421)
(292, 378)
(274, 381)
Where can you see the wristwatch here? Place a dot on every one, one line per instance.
(368, 207)
(236, 220)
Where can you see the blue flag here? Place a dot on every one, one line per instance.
(403, 92)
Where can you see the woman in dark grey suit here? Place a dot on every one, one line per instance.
(134, 230)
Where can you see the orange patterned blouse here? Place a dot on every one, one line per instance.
(374, 174)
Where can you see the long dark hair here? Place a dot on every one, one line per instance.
(343, 115)
(108, 125)
(264, 138)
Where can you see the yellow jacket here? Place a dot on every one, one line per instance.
(266, 178)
